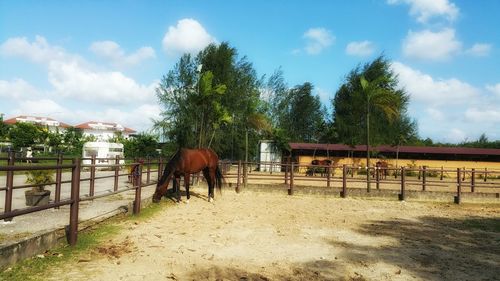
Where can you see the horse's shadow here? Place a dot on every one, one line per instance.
(172, 195)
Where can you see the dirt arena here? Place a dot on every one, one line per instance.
(272, 236)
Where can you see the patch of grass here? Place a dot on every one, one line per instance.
(151, 210)
(34, 269)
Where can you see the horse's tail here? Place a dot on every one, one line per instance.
(219, 178)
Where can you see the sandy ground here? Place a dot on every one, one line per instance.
(272, 236)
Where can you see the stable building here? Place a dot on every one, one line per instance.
(397, 156)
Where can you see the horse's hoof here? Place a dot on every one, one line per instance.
(187, 201)
(210, 199)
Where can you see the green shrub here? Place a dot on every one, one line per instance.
(40, 178)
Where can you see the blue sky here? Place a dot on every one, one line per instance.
(77, 61)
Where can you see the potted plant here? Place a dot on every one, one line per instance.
(38, 196)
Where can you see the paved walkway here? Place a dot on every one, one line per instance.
(28, 224)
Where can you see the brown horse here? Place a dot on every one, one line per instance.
(186, 162)
(322, 169)
(381, 169)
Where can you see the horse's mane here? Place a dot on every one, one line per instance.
(169, 168)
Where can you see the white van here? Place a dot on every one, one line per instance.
(102, 151)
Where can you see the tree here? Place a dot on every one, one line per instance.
(299, 114)
(73, 141)
(212, 107)
(295, 114)
(24, 134)
(370, 99)
(143, 145)
(4, 129)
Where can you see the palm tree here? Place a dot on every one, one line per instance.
(375, 96)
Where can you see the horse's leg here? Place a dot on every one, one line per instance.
(178, 184)
(211, 173)
(186, 183)
(210, 183)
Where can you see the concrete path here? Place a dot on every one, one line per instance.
(29, 224)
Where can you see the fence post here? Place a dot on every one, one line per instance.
(402, 195)
(368, 180)
(72, 229)
(442, 173)
(286, 173)
(238, 179)
(117, 161)
(328, 176)
(92, 176)
(138, 189)
(377, 177)
(424, 178)
(457, 198)
(148, 174)
(343, 193)
(57, 196)
(245, 174)
(290, 187)
(485, 174)
(473, 180)
(9, 185)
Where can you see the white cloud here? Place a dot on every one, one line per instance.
(483, 114)
(318, 39)
(435, 114)
(71, 80)
(495, 89)
(424, 88)
(479, 50)
(39, 51)
(424, 10)
(79, 92)
(42, 107)
(363, 48)
(454, 135)
(16, 89)
(112, 51)
(449, 110)
(434, 46)
(324, 95)
(188, 36)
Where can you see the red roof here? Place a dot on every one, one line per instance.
(393, 149)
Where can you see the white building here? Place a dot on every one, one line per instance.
(51, 124)
(269, 156)
(103, 131)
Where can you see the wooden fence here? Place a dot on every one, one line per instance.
(135, 172)
(453, 181)
(241, 174)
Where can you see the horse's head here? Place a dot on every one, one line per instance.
(158, 194)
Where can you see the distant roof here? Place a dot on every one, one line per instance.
(393, 149)
(37, 120)
(104, 126)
